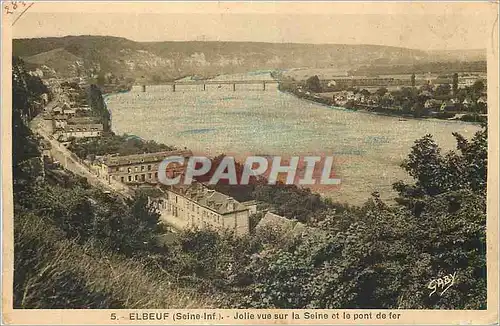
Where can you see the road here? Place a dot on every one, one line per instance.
(67, 159)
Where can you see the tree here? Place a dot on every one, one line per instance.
(455, 84)
(313, 84)
(391, 252)
(418, 109)
(365, 92)
(477, 89)
(381, 91)
(435, 173)
(442, 90)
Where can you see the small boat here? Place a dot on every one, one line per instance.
(401, 119)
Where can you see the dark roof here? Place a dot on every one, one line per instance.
(150, 191)
(143, 158)
(83, 127)
(82, 120)
(210, 199)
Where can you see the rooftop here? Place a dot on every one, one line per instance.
(277, 222)
(209, 198)
(143, 158)
(82, 120)
(60, 117)
(83, 127)
(288, 228)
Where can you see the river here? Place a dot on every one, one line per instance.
(367, 148)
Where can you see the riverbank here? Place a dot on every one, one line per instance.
(389, 111)
(402, 117)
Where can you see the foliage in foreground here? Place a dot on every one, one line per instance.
(384, 256)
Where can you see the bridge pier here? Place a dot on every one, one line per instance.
(173, 87)
(204, 87)
(263, 86)
(143, 88)
(234, 87)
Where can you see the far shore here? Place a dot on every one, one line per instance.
(401, 117)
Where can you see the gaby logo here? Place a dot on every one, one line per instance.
(442, 284)
(254, 166)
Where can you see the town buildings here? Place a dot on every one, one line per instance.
(137, 168)
(67, 126)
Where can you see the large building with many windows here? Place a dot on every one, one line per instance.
(137, 168)
(88, 130)
(196, 206)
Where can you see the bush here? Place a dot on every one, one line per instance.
(114, 144)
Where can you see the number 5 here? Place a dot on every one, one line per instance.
(113, 316)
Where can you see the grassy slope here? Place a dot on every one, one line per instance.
(65, 274)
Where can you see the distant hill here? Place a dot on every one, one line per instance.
(67, 63)
(459, 55)
(160, 61)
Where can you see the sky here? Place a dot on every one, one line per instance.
(443, 27)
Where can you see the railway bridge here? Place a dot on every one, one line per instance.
(176, 84)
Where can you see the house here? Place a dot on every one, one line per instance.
(65, 105)
(448, 106)
(467, 102)
(467, 81)
(276, 225)
(137, 168)
(197, 206)
(433, 104)
(373, 99)
(281, 228)
(69, 111)
(252, 206)
(359, 97)
(57, 110)
(64, 121)
(79, 131)
(59, 121)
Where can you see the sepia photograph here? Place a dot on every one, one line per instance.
(250, 162)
